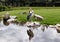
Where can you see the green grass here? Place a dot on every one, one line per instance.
(51, 14)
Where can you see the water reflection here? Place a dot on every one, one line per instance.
(17, 33)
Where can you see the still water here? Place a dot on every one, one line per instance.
(17, 33)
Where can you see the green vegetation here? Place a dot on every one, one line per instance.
(5, 8)
(51, 14)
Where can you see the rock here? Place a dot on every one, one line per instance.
(52, 26)
(5, 18)
(10, 20)
(32, 24)
(22, 23)
(13, 17)
(58, 25)
(43, 28)
(58, 28)
(30, 34)
(38, 17)
(28, 23)
(6, 23)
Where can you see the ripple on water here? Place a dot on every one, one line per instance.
(16, 33)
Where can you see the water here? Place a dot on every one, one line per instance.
(17, 33)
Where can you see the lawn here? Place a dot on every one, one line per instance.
(51, 14)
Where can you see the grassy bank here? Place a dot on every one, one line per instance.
(51, 14)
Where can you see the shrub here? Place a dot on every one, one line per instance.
(5, 8)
